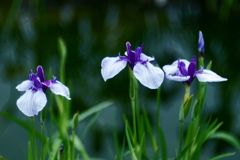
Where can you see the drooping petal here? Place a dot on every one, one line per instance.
(32, 102)
(144, 57)
(25, 85)
(209, 76)
(171, 69)
(111, 66)
(150, 76)
(60, 89)
(177, 78)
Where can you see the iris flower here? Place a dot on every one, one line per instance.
(148, 74)
(34, 99)
(183, 71)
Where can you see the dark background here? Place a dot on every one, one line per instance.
(95, 29)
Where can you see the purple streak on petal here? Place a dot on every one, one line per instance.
(191, 70)
(47, 83)
(131, 55)
(36, 80)
(199, 71)
(40, 73)
(201, 46)
(182, 68)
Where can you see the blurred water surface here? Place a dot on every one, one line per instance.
(93, 30)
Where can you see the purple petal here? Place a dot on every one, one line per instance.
(111, 66)
(182, 68)
(40, 73)
(192, 67)
(32, 102)
(201, 46)
(60, 89)
(25, 85)
(47, 83)
(150, 76)
(209, 76)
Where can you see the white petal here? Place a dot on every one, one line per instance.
(150, 76)
(111, 66)
(60, 89)
(177, 78)
(209, 76)
(173, 68)
(144, 57)
(25, 85)
(31, 102)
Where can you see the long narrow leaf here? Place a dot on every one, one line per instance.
(231, 139)
(23, 125)
(162, 143)
(149, 131)
(130, 144)
(90, 124)
(223, 156)
(95, 109)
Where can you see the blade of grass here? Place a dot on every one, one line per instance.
(80, 147)
(130, 143)
(231, 139)
(90, 124)
(30, 153)
(149, 131)
(95, 109)
(23, 125)
(223, 156)
(162, 143)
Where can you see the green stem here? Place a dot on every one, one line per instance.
(158, 119)
(73, 135)
(181, 139)
(34, 138)
(134, 96)
(42, 133)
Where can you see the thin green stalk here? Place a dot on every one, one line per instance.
(132, 93)
(158, 120)
(43, 145)
(181, 139)
(73, 135)
(34, 139)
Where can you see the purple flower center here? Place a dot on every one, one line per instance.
(190, 71)
(133, 56)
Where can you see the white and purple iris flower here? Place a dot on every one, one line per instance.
(148, 74)
(34, 99)
(183, 71)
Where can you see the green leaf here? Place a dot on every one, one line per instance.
(94, 109)
(90, 124)
(30, 152)
(162, 143)
(80, 147)
(130, 144)
(223, 156)
(149, 131)
(75, 120)
(55, 149)
(23, 125)
(187, 106)
(196, 108)
(185, 150)
(231, 139)
(209, 66)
